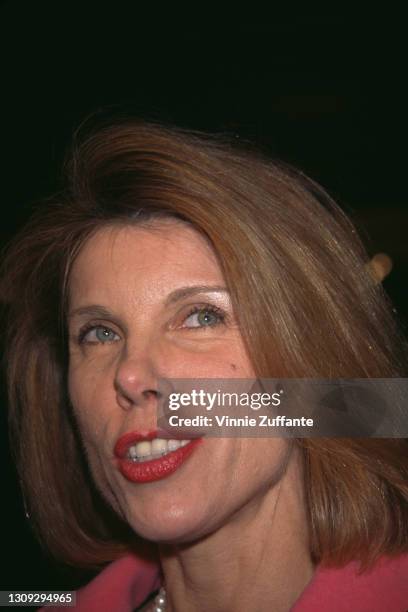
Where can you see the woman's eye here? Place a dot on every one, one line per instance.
(98, 334)
(204, 317)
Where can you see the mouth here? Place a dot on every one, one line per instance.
(147, 457)
(147, 450)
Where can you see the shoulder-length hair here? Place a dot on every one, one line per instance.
(305, 302)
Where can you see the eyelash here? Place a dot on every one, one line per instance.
(194, 310)
(207, 308)
(87, 328)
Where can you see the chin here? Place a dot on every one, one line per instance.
(174, 525)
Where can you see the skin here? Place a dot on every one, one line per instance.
(230, 522)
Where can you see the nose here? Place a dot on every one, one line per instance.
(136, 381)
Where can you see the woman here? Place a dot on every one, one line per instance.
(175, 255)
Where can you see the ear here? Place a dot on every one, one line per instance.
(380, 266)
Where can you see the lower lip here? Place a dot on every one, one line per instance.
(156, 469)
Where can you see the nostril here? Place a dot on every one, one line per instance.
(152, 395)
(123, 400)
(129, 400)
(148, 392)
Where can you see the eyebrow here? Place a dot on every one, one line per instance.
(94, 310)
(183, 292)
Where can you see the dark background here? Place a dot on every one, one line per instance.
(323, 89)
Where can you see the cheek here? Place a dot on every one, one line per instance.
(219, 364)
(88, 403)
(265, 461)
(241, 367)
(89, 409)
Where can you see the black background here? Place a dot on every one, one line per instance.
(323, 89)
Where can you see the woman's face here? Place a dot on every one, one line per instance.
(130, 325)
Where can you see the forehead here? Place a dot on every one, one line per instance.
(146, 258)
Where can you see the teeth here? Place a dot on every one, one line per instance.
(146, 450)
(132, 452)
(142, 449)
(174, 444)
(159, 446)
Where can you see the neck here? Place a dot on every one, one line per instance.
(260, 560)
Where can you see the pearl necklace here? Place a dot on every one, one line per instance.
(159, 602)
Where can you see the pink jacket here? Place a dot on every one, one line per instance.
(124, 584)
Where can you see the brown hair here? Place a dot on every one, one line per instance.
(306, 304)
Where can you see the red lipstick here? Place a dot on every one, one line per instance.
(155, 469)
